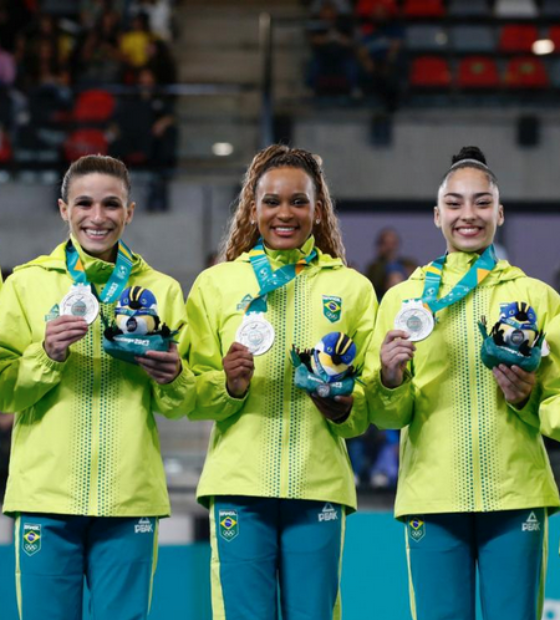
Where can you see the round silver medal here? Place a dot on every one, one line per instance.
(80, 301)
(415, 319)
(256, 333)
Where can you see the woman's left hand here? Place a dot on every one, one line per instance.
(162, 366)
(333, 409)
(515, 383)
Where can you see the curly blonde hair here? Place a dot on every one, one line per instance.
(243, 235)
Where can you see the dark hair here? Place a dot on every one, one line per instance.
(243, 235)
(91, 164)
(470, 157)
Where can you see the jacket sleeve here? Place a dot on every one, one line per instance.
(545, 412)
(204, 354)
(357, 422)
(387, 408)
(27, 373)
(176, 399)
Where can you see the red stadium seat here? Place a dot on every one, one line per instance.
(478, 72)
(85, 142)
(554, 36)
(365, 8)
(423, 8)
(517, 37)
(93, 106)
(430, 71)
(526, 72)
(5, 147)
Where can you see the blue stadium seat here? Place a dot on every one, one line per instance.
(472, 39)
(515, 8)
(469, 7)
(550, 8)
(430, 38)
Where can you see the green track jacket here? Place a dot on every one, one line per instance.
(463, 448)
(85, 440)
(274, 442)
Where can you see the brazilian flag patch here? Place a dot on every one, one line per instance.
(31, 539)
(332, 307)
(416, 528)
(229, 524)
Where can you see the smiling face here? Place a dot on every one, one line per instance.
(285, 207)
(468, 211)
(97, 212)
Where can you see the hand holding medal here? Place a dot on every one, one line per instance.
(60, 333)
(239, 368)
(397, 350)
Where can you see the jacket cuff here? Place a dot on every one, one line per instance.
(37, 351)
(529, 412)
(389, 395)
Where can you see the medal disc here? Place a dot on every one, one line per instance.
(80, 301)
(416, 320)
(256, 333)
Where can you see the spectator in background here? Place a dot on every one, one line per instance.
(135, 42)
(97, 57)
(7, 67)
(156, 145)
(162, 63)
(388, 268)
(158, 13)
(42, 53)
(333, 68)
(380, 53)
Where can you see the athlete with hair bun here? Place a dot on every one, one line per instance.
(277, 477)
(475, 486)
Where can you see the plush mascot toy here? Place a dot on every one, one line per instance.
(327, 369)
(514, 340)
(137, 327)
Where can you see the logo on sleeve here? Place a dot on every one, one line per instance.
(332, 307)
(416, 529)
(229, 524)
(31, 539)
(53, 314)
(244, 303)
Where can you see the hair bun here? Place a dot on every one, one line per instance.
(469, 152)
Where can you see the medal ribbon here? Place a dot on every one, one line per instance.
(474, 276)
(271, 280)
(118, 280)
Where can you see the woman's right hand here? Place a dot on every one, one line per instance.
(60, 333)
(239, 367)
(396, 352)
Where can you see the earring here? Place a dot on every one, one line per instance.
(252, 222)
(317, 221)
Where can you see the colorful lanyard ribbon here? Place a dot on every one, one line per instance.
(271, 280)
(118, 280)
(474, 276)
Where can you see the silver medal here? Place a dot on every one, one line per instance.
(415, 319)
(80, 301)
(256, 333)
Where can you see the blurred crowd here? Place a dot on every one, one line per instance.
(356, 49)
(88, 75)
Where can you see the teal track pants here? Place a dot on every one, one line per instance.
(117, 557)
(507, 548)
(272, 553)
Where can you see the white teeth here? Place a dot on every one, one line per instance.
(284, 229)
(96, 233)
